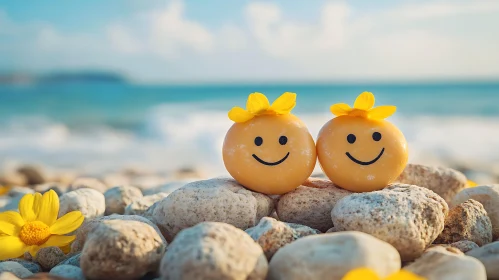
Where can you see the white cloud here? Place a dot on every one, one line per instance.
(122, 41)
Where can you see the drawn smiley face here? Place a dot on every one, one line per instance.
(271, 154)
(360, 154)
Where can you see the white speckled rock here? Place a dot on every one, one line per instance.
(271, 234)
(87, 182)
(216, 200)
(465, 245)
(408, 217)
(90, 202)
(488, 196)
(68, 271)
(15, 268)
(119, 249)
(90, 225)
(445, 265)
(118, 198)
(445, 182)
(311, 204)
(489, 256)
(332, 255)
(140, 206)
(49, 257)
(467, 221)
(212, 250)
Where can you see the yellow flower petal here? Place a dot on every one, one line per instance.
(33, 250)
(26, 207)
(9, 229)
(404, 275)
(11, 247)
(36, 203)
(257, 103)
(12, 217)
(284, 103)
(67, 223)
(49, 208)
(59, 241)
(382, 112)
(4, 190)
(364, 101)
(239, 115)
(361, 274)
(340, 109)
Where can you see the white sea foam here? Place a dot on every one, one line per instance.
(171, 138)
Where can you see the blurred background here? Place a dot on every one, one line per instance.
(103, 88)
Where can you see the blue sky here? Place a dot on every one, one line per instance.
(213, 41)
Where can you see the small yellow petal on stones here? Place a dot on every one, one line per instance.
(404, 275)
(284, 103)
(239, 115)
(471, 184)
(4, 190)
(67, 223)
(257, 103)
(382, 112)
(340, 109)
(361, 274)
(49, 208)
(364, 101)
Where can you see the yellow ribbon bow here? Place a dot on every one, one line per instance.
(364, 107)
(258, 105)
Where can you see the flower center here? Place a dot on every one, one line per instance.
(34, 233)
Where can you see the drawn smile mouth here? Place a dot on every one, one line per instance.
(364, 162)
(271, 163)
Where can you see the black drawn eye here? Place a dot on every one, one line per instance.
(351, 138)
(283, 140)
(376, 136)
(258, 141)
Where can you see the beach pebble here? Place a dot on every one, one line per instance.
(12, 178)
(90, 202)
(119, 249)
(59, 188)
(332, 255)
(46, 276)
(489, 256)
(408, 217)
(212, 250)
(145, 182)
(8, 276)
(68, 271)
(140, 206)
(49, 257)
(465, 245)
(87, 182)
(216, 200)
(31, 266)
(15, 268)
(445, 182)
(488, 196)
(89, 225)
(33, 174)
(74, 260)
(118, 198)
(311, 204)
(440, 264)
(467, 221)
(271, 234)
(444, 247)
(168, 187)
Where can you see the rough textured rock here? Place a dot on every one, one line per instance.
(140, 206)
(86, 182)
(467, 221)
(212, 250)
(68, 271)
(50, 257)
(465, 245)
(15, 268)
(119, 249)
(8, 276)
(168, 187)
(90, 202)
(216, 200)
(332, 255)
(445, 182)
(118, 198)
(489, 256)
(30, 265)
(271, 234)
(444, 247)
(73, 260)
(408, 217)
(444, 265)
(89, 225)
(311, 204)
(488, 196)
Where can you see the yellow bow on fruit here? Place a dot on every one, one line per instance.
(258, 104)
(364, 107)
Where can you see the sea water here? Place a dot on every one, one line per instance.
(100, 127)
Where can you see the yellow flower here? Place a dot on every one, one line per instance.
(36, 226)
(471, 184)
(4, 190)
(258, 104)
(364, 107)
(369, 274)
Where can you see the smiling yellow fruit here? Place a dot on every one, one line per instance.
(269, 150)
(360, 151)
